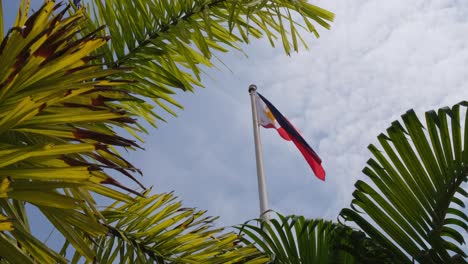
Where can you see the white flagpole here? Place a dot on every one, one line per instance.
(262, 193)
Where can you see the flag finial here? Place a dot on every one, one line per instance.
(252, 88)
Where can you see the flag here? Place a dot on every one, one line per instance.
(269, 117)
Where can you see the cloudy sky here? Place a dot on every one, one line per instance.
(380, 59)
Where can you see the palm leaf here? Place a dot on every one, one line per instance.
(413, 202)
(57, 142)
(295, 239)
(156, 229)
(169, 43)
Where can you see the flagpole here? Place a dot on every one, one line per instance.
(262, 193)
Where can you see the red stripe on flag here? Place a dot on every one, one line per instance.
(283, 134)
(309, 156)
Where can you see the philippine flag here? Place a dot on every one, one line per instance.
(270, 117)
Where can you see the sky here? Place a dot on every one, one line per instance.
(379, 59)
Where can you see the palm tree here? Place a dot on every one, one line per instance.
(64, 88)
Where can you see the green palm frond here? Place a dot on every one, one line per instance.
(414, 202)
(57, 142)
(157, 229)
(169, 43)
(295, 239)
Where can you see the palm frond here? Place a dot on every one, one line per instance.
(169, 43)
(413, 204)
(57, 141)
(295, 239)
(157, 229)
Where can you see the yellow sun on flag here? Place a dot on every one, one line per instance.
(269, 115)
